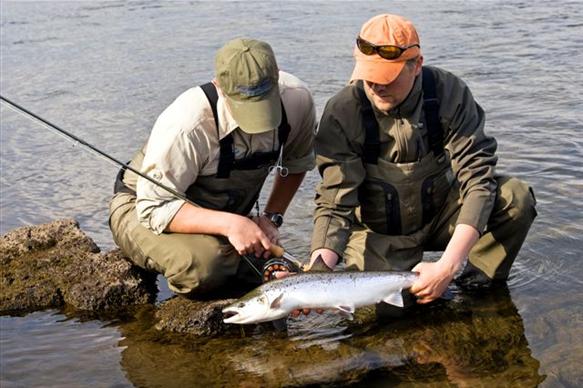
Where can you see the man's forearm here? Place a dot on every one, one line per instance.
(282, 192)
(463, 239)
(193, 219)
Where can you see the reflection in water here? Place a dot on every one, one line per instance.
(470, 339)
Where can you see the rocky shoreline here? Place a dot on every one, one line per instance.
(57, 266)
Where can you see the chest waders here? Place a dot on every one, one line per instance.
(237, 184)
(401, 198)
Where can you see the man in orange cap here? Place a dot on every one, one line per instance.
(407, 167)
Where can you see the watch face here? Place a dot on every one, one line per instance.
(277, 219)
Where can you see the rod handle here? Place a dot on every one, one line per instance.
(276, 250)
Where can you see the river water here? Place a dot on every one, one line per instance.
(105, 70)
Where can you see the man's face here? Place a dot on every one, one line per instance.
(389, 96)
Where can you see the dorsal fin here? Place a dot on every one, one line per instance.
(319, 265)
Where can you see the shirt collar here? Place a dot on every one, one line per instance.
(227, 123)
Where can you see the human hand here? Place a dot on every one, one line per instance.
(268, 228)
(248, 238)
(434, 277)
(328, 256)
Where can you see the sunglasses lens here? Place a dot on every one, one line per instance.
(390, 52)
(365, 47)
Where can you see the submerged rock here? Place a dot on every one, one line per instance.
(56, 264)
(199, 318)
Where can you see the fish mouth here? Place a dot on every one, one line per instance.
(230, 315)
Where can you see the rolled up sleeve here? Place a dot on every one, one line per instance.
(298, 152)
(174, 156)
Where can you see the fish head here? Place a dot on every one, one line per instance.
(254, 307)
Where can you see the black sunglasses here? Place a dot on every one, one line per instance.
(385, 51)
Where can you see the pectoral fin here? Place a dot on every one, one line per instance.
(276, 302)
(346, 312)
(396, 299)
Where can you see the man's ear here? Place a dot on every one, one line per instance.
(418, 65)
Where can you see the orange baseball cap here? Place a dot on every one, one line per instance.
(391, 30)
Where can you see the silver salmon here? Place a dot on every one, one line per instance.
(344, 291)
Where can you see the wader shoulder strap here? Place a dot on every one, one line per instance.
(372, 144)
(431, 109)
(284, 128)
(226, 155)
(372, 149)
(210, 91)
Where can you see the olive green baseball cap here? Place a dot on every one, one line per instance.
(247, 74)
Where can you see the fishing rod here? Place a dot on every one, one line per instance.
(276, 249)
(76, 140)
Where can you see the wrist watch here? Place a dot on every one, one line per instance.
(275, 218)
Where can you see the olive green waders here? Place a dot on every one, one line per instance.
(410, 207)
(189, 262)
(513, 213)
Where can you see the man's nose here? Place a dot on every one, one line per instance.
(378, 87)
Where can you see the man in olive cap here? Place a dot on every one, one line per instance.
(216, 144)
(407, 167)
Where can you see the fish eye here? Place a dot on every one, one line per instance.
(241, 305)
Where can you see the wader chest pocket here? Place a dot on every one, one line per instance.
(375, 195)
(434, 192)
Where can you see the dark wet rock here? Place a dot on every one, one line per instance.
(199, 318)
(108, 282)
(56, 264)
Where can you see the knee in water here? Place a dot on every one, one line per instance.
(522, 206)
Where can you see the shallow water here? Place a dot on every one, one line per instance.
(105, 70)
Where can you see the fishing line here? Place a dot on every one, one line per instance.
(96, 151)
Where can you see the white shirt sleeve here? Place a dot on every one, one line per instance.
(175, 154)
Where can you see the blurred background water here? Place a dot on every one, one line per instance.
(104, 70)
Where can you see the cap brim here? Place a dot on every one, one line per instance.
(375, 69)
(257, 116)
(378, 72)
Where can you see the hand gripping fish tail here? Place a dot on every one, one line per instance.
(342, 291)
